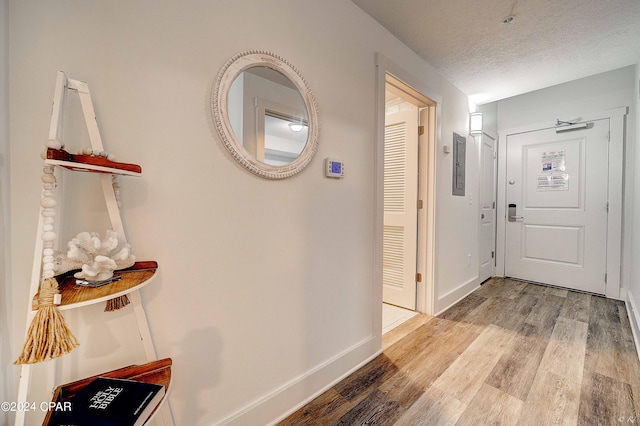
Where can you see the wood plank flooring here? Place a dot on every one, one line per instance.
(511, 353)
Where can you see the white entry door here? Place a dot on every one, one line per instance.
(557, 186)
(400, 208)
(487, 207)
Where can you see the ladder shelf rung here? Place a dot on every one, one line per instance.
(74, 296)
(90, 163)
(156, 372)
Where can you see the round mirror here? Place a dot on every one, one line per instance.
(265, 114)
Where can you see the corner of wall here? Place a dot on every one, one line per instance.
(490, 118)
(633, 282)
(454, 296)
(5, 362)
(634, 320)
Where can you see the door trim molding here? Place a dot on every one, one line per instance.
(616, 118)
(426, 291)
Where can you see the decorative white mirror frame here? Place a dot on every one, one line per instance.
(219, 106)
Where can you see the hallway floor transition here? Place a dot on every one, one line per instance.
(511, 353)
(393, 316)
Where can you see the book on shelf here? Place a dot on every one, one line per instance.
(111, 402)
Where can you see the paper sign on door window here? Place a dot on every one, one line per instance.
(553, 161)
(552, 177)
(558, 182)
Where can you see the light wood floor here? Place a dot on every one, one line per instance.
(511, 353)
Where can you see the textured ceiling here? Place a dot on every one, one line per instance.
(549, 42)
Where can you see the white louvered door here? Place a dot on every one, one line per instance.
(400, 208)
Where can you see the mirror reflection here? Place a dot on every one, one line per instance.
(268, 115)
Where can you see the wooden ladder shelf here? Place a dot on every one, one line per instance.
(130, 280)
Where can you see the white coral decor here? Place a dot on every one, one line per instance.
(99, 258)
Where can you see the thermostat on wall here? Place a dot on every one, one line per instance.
(333, 168)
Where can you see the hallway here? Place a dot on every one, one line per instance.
(509, 353)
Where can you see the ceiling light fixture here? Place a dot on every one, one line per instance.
(295, 127)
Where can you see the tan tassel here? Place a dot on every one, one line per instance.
(116, 303)
(48, 336)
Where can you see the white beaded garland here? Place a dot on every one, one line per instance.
(48, 202)
(96, 153)
(53, 143)
(116, 190)
(48, 178)
(48, 213)
(48, 236)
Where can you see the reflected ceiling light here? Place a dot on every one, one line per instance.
(475, 123)
(295, 127)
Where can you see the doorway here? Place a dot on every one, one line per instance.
(537, 244)
(409, 138)
(557, 206)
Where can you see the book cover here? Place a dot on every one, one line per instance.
(111, 402)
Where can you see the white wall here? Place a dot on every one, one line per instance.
(457, 236)
(568, 102)
(5, 355)
(254, 337)
(634, 233)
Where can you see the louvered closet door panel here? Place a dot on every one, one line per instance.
(400, 211)
(393, 258)
(395, 157)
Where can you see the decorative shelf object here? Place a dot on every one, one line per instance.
(47, 336)
(156, 372)
(74, 295)
(90, 163)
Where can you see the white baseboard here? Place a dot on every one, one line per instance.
(634, 319)
(456, 295)
(277, 405)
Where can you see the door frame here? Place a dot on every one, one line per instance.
(425, 296)
(616, 118)
(494, 183)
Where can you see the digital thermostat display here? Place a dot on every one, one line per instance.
(334, 168)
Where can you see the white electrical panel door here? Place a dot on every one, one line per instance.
(400, 208)
(557, 186)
